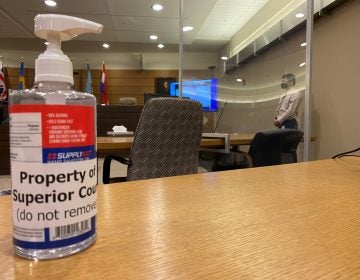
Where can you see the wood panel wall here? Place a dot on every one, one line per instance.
(120, 83)
(12, 77)
(125, 83)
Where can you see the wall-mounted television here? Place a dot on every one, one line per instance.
(204, 91)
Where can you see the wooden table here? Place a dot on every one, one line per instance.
(296, 221)
(124, 143)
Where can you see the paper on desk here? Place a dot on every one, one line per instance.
(119, 128)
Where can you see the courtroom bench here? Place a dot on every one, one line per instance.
(108, 116)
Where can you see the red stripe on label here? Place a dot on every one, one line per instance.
(63, 125)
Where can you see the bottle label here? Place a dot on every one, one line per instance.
(54, 174)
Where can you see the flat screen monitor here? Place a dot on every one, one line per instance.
(204, 91)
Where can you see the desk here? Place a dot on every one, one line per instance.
(295, 221)
(124, 143)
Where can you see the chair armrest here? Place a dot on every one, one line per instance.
(107, 163)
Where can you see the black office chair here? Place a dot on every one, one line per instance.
(270, 147)
(274, 147)
(166, 141)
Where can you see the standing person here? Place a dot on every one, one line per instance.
(287, 110)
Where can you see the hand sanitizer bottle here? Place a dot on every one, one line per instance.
(53, 151)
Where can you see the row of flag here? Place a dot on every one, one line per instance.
(3, 91)
(103, 85)
(88, 83)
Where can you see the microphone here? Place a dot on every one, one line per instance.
(221, 113)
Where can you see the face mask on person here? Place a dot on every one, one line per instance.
(284, 85)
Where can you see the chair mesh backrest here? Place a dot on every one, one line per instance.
(268, 147)
(167, 139)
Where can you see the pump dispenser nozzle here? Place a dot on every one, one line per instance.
(53, 65)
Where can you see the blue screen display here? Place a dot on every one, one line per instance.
(204, 91)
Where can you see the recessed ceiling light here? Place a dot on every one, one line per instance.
(303, 44)
(153, 37)
(50, 3)
(302, 64)
(106, 45)
(299, 15)
(224, 58)
(239, 80)
(157, 7)
(187, 28)
(160, 46)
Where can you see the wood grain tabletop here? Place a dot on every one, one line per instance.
(295, 221)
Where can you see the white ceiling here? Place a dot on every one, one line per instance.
(128, 23)
(227, 17)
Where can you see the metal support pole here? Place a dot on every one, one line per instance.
(308, 71)
(181, 46)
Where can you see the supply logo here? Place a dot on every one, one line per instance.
(69, 154)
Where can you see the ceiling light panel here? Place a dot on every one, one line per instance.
(50, 3)
(187, 28)
(141, 7)
(227, 17)
(143, 37)
(157, 7)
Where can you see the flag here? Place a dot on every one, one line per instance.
(22, 76)
(103, 87)
(3, 92)
(88, 83)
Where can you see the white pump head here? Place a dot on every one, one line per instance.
(53, 65)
